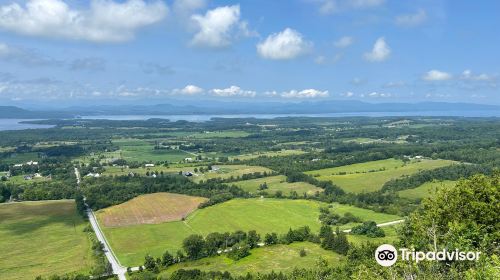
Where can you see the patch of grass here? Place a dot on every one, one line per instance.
(371, 176)
(42, 238)
(265, 259)
(228, 171)
(132, 243)
(150, 209)
(426, 189)
(277, 183)
(281, 153)
(141, 150)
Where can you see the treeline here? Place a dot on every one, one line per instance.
(51, 190)
(106, 191)
(452, 172)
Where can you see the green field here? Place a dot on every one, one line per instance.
(42, 238)
(140, 150)
(426, 189)
(277, 183)
(262, 215)
(265, 259)
(20, 158)
(268, 154)
(228, 171)
(223, 171)
(371, 176)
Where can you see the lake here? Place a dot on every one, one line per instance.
(14, 124)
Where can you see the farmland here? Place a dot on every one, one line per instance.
(262, 215)
(268, 154)
(426, 189)
(371, 176)
(150, 209)
(265, 259)
(42, 238)
(277, 183)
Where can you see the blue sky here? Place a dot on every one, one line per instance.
(99, 51)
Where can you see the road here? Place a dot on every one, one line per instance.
(118, 269)
(381, 225)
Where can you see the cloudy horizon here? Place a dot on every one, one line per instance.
(368, 50)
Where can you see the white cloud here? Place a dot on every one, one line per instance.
(233, 91)
(306, 93)
(379, 94)
(343, 42)
(436, 75)
(4, 50)
(103, 21)
(380, 51)
(332, 6)
(287, 44)
(347, 94)
(468, 75)
(412, 19)
(191, 90)
(218, 27)
(26, 56)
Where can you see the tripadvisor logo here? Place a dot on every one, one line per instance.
(387, 255)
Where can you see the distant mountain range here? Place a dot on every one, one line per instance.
(221, 108)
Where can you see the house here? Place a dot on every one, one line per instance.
(215, 168)
(315, 159)
(188, 174)
(28, 177)
(419, 157)
(37, 175)
(154, 175)
(32, 162)
(149, 165)
(18, 165)
(95, 175)
(188, 159)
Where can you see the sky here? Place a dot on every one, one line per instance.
(105, 51)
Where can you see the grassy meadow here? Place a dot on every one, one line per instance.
(277, 183)
(268, 154)
(426, 189)
(264, 259)
(42, 238)
(263, 215)
(371, 176)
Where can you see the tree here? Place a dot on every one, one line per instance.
(325, 231)
(150, 263)
(194, 246)
(167, 259)
(213, 242)
(340, 244)
(271, 239)
(253, 239)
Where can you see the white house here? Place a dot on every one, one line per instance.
(149, 165)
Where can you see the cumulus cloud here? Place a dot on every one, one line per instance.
(184, 7)
(218, 27)
(436, 75)
(306, 93)
(412, 19)
(103, 21)
(191, 90)
(332, 6)
(468, 75)
(380, 51)
(233, 91)
(347, 94)
(379, 94)
(343, 42)
(284, 45)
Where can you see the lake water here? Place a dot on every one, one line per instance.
(14, 124)
(202, 118)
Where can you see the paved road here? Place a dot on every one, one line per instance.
(381, 225)
(118, 269)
